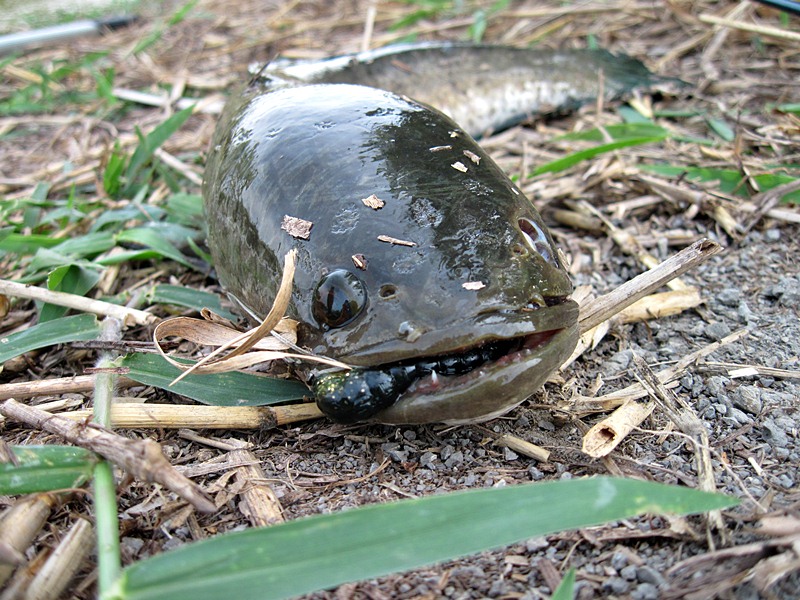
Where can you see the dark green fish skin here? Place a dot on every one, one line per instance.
(481, 267)
(483, 88)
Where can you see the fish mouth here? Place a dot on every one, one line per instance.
(510, 357)
(487, 391)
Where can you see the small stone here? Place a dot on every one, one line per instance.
(716, 331)
(729, 297)
(509, 454)
(647, 574)
(616, 585)
(455, 459)
(774, 434)
(772, 235)
(748, 398)
(629, 572)
(645, 591)
(427, 460)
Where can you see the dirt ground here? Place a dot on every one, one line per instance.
(751, 417)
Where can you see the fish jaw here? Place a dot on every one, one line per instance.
(487, 392)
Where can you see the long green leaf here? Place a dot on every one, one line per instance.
(224, 389)
(46, 468)
(58, 331)
(320, 552)
(576, 157)
(190, 298)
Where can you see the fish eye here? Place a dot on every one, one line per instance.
(338, 298)
(537, 240)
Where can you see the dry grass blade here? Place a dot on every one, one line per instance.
(689, 423)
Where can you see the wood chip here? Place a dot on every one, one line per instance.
(297, 227)
(373, 202)
(472, 156)
(360, 261)
(473, 285)
(390, 240)
(440, 148)
(459, 166)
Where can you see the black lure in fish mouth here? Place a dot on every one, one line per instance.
(443, 383)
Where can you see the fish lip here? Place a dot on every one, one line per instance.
(466, 333)
(486, 392)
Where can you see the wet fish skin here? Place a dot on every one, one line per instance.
(484, 88)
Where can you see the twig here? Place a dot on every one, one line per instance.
(173, 416)
(598, 310)
(141, 458)
(128, 316)
(260, 504)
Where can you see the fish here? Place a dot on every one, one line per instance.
(419, 261)
(484, 88)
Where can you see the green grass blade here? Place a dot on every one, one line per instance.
(566, 589)
(224, 389)
(46, 468)
(71, 279)
(622, 131)
(66, 329)
(17, 243)
(188, 297)
(573, 159)
(155, 242)
(324, 551)
(153, 141)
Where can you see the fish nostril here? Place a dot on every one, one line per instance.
(519, 250)
(387, 291)
(537, 240)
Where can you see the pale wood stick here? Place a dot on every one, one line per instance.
(171, 416)
(52, 387)
(128, 316)
(751, 27)
(603, 307)
(60, 567)
(21, 523)
(141, 458)
(606, 435)
(260, 504)
(523, 447)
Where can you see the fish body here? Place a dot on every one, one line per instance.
(483, 88)
(425, 266)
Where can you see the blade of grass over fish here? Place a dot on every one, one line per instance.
(224, 389)
(46, 468)
(573, 159)
(324, 551)
(188, 297)
(66, 329)
(730, 181)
